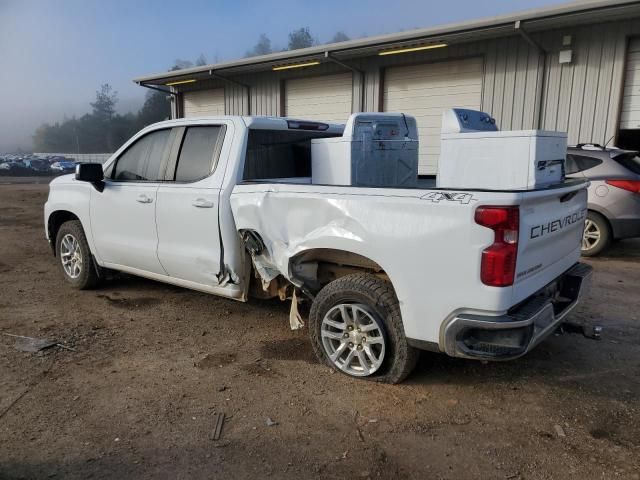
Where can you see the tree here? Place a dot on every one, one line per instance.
(301, 38)
(263, 47)
(102, 130)
(340, 37)
(99, 126)
(122, 129)
(155, 109)
(55, 138)
(104, 106)
(180, 64)
(201, 60)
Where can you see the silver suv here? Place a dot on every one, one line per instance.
(614, 193)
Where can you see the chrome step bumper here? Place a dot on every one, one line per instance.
(512, 335)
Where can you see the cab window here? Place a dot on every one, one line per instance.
(198, 153)
(142, 161)
(273, 154)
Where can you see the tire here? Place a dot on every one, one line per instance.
(373, 303)
(72, 248)
(596, 236)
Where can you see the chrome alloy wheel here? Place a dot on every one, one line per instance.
(71, 256)
(353, 339)
(591, 235)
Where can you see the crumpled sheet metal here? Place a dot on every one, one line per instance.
(302, 228)
(301, 225)
(265, 267)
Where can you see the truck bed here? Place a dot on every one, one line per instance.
(426, 240)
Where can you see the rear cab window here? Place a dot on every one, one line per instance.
(279, 154)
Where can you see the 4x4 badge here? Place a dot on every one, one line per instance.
(460, 197)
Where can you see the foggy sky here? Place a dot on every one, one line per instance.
(55, 54)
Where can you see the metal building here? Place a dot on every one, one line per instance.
(574, 67)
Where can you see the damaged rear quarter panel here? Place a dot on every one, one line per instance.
(430, 250)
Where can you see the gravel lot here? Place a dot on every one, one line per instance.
(151, 365)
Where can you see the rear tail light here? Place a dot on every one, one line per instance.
(498, 265)
(630, 185)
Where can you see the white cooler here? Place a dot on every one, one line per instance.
(499, 160)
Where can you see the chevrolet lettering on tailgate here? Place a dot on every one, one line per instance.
(559, 224)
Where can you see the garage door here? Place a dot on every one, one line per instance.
(204, 102)
(324, 98)
(425, 91)
(630, 116)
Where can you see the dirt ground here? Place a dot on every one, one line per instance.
(151, 364)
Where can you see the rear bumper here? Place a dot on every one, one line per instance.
(513, 334)
(625, 228)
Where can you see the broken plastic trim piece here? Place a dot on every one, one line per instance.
(265, 268)
(252, 242)
(295, 319)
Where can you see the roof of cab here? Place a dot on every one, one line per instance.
(252, 122)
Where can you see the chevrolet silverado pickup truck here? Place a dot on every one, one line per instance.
(228, 206)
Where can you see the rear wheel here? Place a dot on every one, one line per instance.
(596, 236)
(356, 328)
(74, 256)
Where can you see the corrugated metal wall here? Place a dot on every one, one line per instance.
(582, 97)
(630, 109)
(512, 76)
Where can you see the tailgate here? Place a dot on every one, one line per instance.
(551, 225)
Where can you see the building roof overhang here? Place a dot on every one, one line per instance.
(571, 14)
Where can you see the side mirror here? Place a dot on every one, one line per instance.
(92, 173)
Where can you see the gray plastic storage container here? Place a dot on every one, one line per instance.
(376, 150)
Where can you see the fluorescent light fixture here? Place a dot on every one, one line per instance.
(412, 49)
(180, 82)
(295, 65)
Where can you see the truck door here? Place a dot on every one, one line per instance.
(188, 203)
(123, 214)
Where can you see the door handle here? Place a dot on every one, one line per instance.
(142, 198)
(202, 203)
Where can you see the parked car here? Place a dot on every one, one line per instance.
(64, 166)
(36, 165)
(227, 206)
(614, 193)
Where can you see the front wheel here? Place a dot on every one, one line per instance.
(74, 256)
(596, 236)
(356, 327)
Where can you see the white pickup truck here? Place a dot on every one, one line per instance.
(227, 205)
